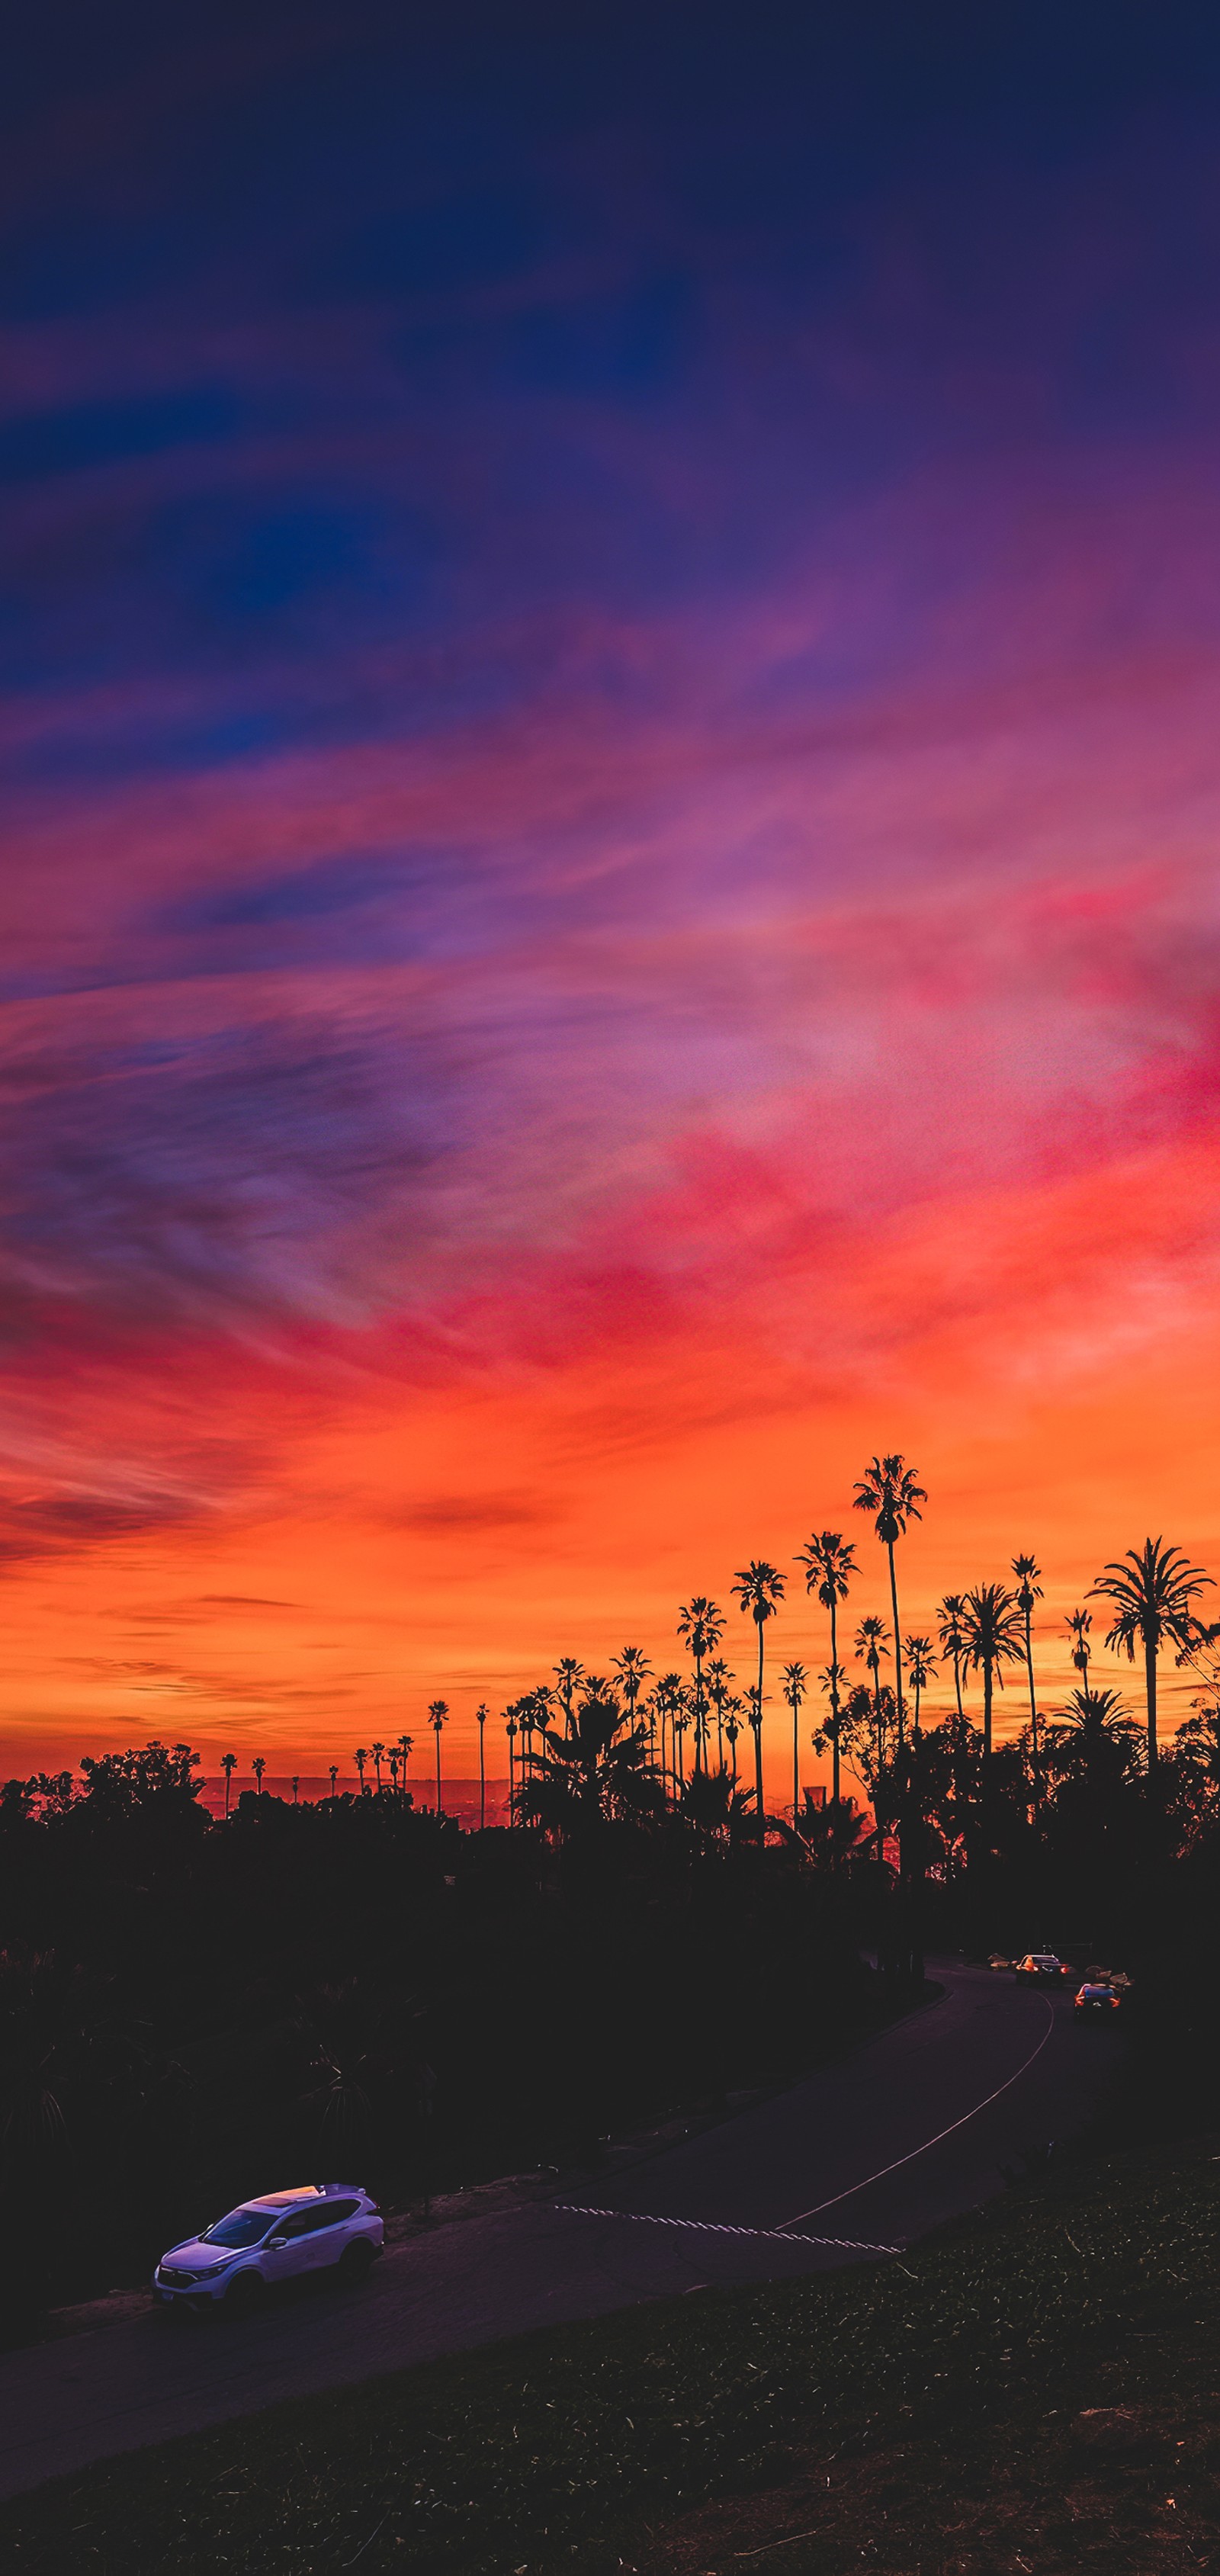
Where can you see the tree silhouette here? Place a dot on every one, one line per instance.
(796, 1683)
(406, 1746)
(258, 1766)
(994, 1633)
(480, 1719)
(510, 1729)
(633, 1669)
(295, 1788)
(228, 1764)
(378, 1753)
(1078, 1623)
(949, 1622)
(1029, 1590)
(701, 1627)
(1150, 1591)
(361, 1757)
(759, 1589)
(733, 1709)
(889, 1491)
(438, 1712)
(596, 1771)
(870, 1647)
(830, 1562)
(921, 1669)
(334, 1775)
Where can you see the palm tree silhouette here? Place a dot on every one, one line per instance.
(759, 1589)
(633, 1669)
(993, 1630)
(1079, 1623)
(438, 1712)
(732, 1729)
(701, 1627)
(228, 1764)
(406, 1746)
(718, 1680)
(595, 1772)
(378, 1751)
(510, 1729)
(921, 1669)
(1150, 1591)
(949, 1621)
(258, 1766)
(569, 1675)
(334, 1774)
(889, 1491)
(796, 1683)
(480, 1719)
(1029, 1590)
(667, 1701)
(295, 1787)
(360, 1757)
(679, 1720)
(830, 1562)
(869, 1650)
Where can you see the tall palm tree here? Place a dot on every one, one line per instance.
(1029, 1590)
(949, 1622)
(889, 1491)
(667, 1699)
(719, 1679)
(438, 1712)
(1150, 1591)
(480, 1719)
(406, 1747)
(228, 1764)
(831, 1680)
(295, 1788)
(1079, 1623)
(258, 1766)
(510, 1729)
(869, 1650)
(921, 1669)
(334, 1775)
(633, 1669)
(829, 1560)
(679, 1720)
(569, 1675)
(701, 1627)
(796, 1683)
(378, 1752)
(994, 1633)
(732, 1729)
(394, 1758)
(361, 1757)
(759, 1589)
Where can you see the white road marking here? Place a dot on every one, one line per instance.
(709, 2227)
(899, 2161)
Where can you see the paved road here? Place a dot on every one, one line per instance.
(915, 2126)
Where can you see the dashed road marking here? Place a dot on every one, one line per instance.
(709, 2227)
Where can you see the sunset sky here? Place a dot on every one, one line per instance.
(609, 893)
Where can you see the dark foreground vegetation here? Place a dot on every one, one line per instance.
(192, 2011)
(1033, 2389)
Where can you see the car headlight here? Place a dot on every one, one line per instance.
(208, 2271)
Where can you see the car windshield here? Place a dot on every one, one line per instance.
(241, 2227)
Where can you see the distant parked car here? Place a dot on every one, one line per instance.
(996, 1962)
(319, 2227)
(1096, 2003)
(1042, 1967)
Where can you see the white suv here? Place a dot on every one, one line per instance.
(322, 2226)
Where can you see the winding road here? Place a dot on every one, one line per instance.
(911, 2128)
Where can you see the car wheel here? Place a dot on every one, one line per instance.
(246, 2294)
(356, 2261)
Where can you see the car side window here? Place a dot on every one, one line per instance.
(302, 2223)
(336, 2210)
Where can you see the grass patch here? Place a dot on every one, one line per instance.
(930, 2413)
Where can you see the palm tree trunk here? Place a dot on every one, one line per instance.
(796, 1759)
(482, 1787)
(698, 1714)
(987, 1681)
(834, 1698)
(1033, 1712)
(758, 1762)
(1150, 1693)
(957, 1685)
(897, 1640)
(438, 1770)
